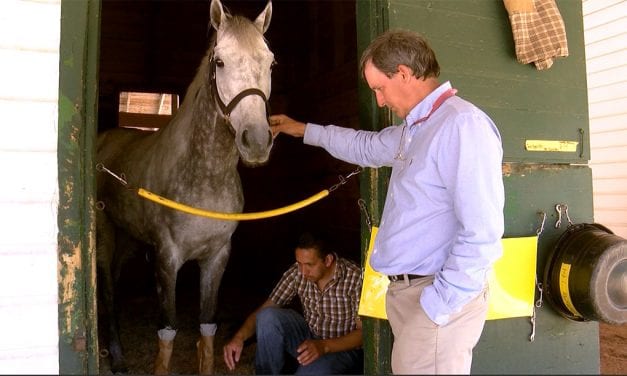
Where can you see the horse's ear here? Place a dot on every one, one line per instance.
(263, 19)
(216, 14)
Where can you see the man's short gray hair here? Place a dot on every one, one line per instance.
(396, 47)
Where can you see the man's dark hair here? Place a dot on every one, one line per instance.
(396, 47)
(315, 240)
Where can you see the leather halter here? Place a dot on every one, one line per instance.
(226, 109)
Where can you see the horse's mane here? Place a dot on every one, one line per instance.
(198, 81)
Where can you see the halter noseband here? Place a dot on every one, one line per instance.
(226, 109)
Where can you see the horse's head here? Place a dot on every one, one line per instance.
(241, 65)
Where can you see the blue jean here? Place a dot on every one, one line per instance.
(280, 331)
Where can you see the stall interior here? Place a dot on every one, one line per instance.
(149, 53)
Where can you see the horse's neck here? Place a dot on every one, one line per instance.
(200, 138)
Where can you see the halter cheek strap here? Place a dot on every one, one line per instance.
(227, 109)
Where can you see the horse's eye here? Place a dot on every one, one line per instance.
(219, 63)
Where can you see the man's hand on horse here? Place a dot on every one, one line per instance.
(284, 124)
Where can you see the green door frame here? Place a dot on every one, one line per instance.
(377, 334)
(78, 100)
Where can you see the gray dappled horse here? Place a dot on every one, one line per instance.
(193, 160)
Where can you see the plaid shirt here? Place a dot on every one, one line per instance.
(330, 313)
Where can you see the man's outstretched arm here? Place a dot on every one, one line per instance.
(233, 349)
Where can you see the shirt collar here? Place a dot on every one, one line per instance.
(338, 273)
(423, 108)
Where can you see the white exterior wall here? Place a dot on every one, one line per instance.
(605, 32)
(29, 75)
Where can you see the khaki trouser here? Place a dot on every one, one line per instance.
(423, 347)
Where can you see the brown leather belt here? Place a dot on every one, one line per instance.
(401, 277)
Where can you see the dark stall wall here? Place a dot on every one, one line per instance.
(152, 46)
(315, 80)
(157, 46)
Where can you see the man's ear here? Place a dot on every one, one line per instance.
(405, 72)
(328, 259)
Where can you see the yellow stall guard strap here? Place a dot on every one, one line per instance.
(231, 216)
(511, 282)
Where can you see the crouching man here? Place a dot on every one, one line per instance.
(327, 339)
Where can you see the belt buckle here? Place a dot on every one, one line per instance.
(395, 278)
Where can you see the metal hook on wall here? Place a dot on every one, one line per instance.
(559, 208)
(537, 303)
(541, 228)
(362, 205)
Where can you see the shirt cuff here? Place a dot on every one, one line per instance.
(433, 306)
(312, 134)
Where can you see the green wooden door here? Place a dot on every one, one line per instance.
(377, 335)
(79, 50)
(475, 48)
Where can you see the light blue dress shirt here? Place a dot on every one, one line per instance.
(443, 214)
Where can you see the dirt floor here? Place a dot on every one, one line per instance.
(139, 325)
(613, 341)
(141, 344)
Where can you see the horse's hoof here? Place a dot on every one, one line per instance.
(119, 368)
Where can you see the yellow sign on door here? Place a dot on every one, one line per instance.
(511, 282)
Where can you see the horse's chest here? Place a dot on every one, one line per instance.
(189, 230)
(193, 233)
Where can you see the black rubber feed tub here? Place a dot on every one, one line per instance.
(585, 278)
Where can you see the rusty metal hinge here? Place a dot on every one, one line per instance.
(79, 342)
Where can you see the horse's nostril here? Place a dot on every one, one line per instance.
(254, 139)
(245, 138)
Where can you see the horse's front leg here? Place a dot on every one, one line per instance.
(166, 269)
(211, 271)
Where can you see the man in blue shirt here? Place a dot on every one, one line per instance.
(443, 215)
